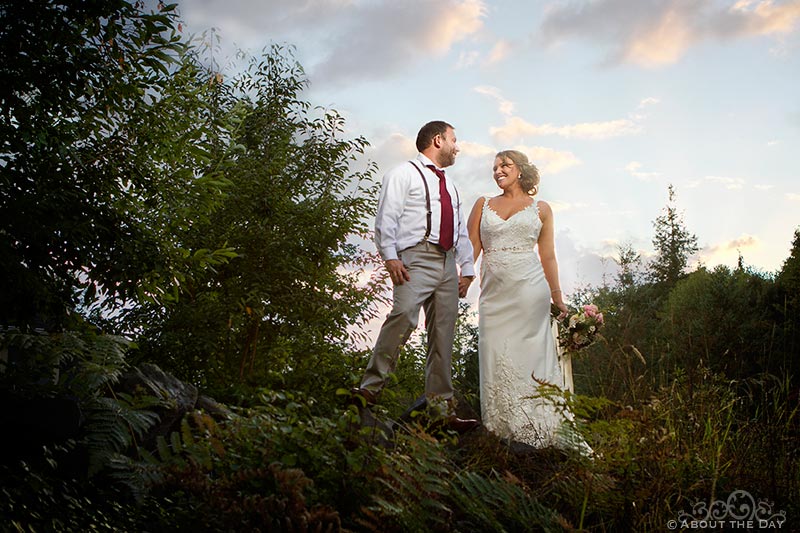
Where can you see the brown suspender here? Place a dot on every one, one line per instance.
(428, 206)
(427, 201)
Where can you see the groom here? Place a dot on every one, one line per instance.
(421, 236)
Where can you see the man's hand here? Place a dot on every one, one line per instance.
(397, 271)
(463, 285)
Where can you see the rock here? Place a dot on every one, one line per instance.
(217, 410)
(382, 434)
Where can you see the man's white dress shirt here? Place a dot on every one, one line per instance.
(402, 213)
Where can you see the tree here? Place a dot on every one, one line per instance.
(720, 319)
(788, 278)
(673, 243)
(102, 125)
(278, 314)
(788, 301)
(629, 262)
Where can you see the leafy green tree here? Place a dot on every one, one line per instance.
(280, 313)
(466, 363)
(673, 243)
(789, 275)
(632, 354)
(721, 319)
(103, 128)
(788, 304)
(108, 158)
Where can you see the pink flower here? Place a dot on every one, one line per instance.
(581, 329)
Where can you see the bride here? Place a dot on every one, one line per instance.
(518, 353)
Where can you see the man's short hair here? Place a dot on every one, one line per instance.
(429, 131)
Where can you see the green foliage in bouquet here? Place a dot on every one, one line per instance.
(580, 329)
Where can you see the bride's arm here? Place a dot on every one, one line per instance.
(547, 254)
(474, 227)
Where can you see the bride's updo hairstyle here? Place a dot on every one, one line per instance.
(529, 177)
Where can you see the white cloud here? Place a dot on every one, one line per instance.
(763, 187)
(506, 107)
(253, 22)
(471, 149)
(387, 37)
(516, 128)
(727, 252)
(660, 32)
(663, 42)
(560, 207)
(634, 169)
(794, 197)
(729, 183)
(763, 17)
(739, 243)
(640, 114)
(580, 267)
(547, 160)
(466, 59)
(359, 39)
(645, 102)
(388, 149)
(499, 51)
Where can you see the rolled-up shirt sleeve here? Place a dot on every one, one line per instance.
(392, 198)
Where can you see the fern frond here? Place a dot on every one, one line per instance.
(501, 505)
(112, 426)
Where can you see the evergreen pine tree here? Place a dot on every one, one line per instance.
(629, 262)
(673, 243)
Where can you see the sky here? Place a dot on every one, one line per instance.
(613, 100)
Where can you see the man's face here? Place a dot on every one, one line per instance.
(448, 148)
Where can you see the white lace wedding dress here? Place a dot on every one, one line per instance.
(516, 340)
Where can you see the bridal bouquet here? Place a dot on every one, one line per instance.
(580, 330)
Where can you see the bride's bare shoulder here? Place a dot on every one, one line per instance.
(477, 209)
(479, 203)
(545, 211)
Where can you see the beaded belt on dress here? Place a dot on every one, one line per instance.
(508, 249)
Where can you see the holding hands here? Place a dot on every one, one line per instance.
(463, 285)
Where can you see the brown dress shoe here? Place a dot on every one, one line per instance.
(370, 398)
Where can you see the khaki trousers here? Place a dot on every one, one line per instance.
(434, 286)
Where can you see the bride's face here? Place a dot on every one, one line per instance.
(506, 173)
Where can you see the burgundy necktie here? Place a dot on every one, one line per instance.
(446, 227)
